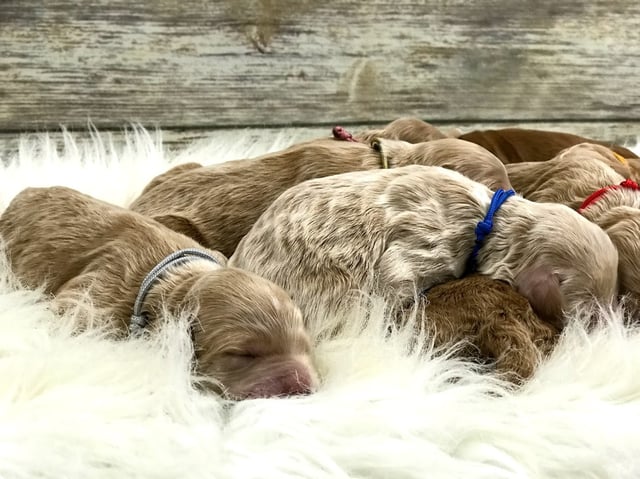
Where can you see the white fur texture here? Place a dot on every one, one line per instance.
(82, 406)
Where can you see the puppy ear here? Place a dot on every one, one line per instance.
(541, 287)
(181, 225)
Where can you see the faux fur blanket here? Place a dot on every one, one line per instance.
(82, 406)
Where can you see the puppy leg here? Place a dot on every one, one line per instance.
(492, 318)
(517, 344)
(74, 299)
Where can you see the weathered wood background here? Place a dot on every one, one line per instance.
(188, 65)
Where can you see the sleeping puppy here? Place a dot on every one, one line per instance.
(247, 333)
(217, 205)
(616, 209)
(634, 168)
(581, 178)
(496, 321)
(465, 157)
(400, 231)
(515, 145)
(411, 130)
(568, 178)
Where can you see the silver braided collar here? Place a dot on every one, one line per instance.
(139, 319)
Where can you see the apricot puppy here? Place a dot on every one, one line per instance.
(248, 335)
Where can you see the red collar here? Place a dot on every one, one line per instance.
(628, 183)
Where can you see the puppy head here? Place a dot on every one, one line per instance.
(249, 335)
(465, 157)
(411, 130)
(598, 152)
(562, 262)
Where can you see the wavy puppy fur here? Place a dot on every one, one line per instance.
(217, 205)
(409, 129)
(570, 177)
(467, 158)
(573, 176)
(618, 214)
(249, 337)
(496, 321)
(401, 231)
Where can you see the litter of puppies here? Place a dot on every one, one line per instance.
(425, 219)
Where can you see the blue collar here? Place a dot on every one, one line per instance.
(484, 227)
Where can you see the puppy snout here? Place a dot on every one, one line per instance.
(297, 380)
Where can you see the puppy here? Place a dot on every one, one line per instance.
(617, 212)
(465, 157)
(515, 145)
(247, 333)
(581, 177)
(634, 168)
(493, 318)
(400, 231)
(570, 177)
(218, 205)
(411, 130)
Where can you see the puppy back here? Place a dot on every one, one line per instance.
(66, 240)
(515, 145)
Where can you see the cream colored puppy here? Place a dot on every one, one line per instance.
(401, 231)
(247, 333)
(570, 177)
(582, 177)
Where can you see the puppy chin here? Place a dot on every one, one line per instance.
(291, 377)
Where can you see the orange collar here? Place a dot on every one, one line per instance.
(628, 183)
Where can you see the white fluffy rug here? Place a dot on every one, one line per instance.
(85, 407)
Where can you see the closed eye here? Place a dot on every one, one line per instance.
(241, 354)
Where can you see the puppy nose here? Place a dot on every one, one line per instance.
(297, 381)
(297, 385)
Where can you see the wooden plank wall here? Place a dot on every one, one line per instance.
(203, 65)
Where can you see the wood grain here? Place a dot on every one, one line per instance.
(208, 64)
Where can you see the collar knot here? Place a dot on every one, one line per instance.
(339, 133)
(485, 226)
(628, 183)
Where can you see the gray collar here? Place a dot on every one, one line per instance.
(139, 319)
